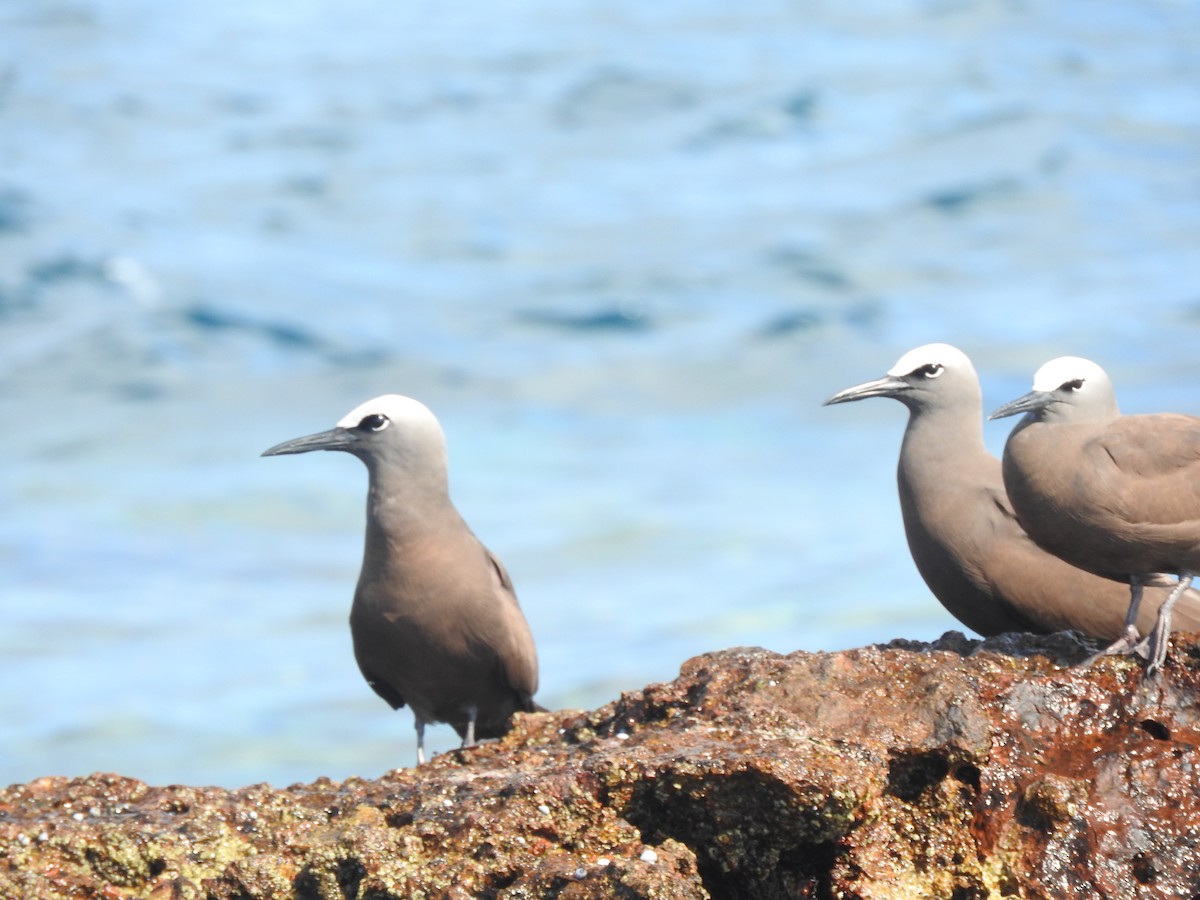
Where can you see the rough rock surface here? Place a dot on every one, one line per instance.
(959, 769)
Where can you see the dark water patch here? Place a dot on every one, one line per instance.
(791, 116)
(208, 318)
(440, 99)
(11, 301)
(954, 200)
(56, 15)
(307, 185)
(610, 319)
(329, 139)
(358, 357)
(861, 315)
(15, 211)
(805, 265)
(281, 335)
(790, 324)
(56, 274)
(1054, 160)
(801, 107)
(864, 315)
(243, 104)
(8, 78)
(1190, 310)
(67, 267)
(611, 95)
(141, 391)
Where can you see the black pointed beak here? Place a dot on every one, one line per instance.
(1030, 402)
(887, 386)
(333, 439)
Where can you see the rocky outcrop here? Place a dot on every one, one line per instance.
(958, 769)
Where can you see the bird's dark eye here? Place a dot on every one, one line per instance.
(932, 370)
(1075, 385)
(374, 422)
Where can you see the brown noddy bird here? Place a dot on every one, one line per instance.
(961, 529)
(1116, 495)
(435, 621)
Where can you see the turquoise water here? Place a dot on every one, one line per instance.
(623, 251)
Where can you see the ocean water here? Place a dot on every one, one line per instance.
(623, 250)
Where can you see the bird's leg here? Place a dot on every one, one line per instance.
(420, 724)
(469, 737)
(1129, 639)
(1136, 587)
(1161, 634)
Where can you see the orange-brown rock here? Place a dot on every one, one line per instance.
(959, 769)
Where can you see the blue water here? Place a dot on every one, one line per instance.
(623, 250)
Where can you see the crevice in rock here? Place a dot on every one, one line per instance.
(913, 773)
(1156, 730)
(1143, 868)
(350, 873)
(968, 774)
(755, 837)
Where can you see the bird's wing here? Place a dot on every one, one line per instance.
(1150, 446)
(1150, 467)
(501, 573)
(392, 696)
(517, 657)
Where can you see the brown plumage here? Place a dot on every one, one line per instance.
(961, 528)
(1117, 495)
(435, 622)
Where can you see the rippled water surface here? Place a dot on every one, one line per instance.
(623, 250)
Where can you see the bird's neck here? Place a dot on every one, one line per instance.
(939, 445)
(403, 504)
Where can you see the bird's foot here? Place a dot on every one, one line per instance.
(1156, 655)
(1129, 642)
(1160, 636)
(478, 742)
